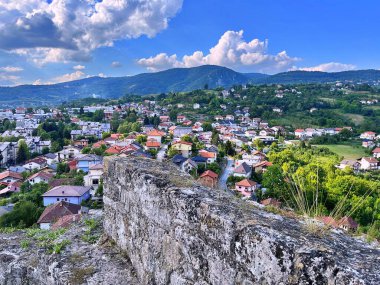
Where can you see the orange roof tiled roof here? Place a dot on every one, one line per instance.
(152, 144)
(183, 142)
(156, 133)
(207, 154)
(246, 183)
(209, 173)
(12, 174)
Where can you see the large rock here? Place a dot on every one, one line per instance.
(177, 232)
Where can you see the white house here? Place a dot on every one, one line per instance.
(369, 163)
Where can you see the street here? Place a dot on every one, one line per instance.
(226, 173)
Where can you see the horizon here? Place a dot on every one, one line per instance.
(44, 42)
(150, 72)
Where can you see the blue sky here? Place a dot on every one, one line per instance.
(47, 42)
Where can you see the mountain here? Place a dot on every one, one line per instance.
(176, 79)
(293, 77)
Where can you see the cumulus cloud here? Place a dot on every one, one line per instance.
(62, 31)
(329, 67)
(11, 69)
(231, 51)
(116, 64)
(68, 77)
(79, 67)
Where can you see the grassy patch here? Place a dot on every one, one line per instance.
(355, 118)
(347, 151)
(91, 235)
(79, 275)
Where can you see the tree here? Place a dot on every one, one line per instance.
(207, 127)
(98, 115)
(259, 144)
(24, 214)
(81, 111)
(23, 153)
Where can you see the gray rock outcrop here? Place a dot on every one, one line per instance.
(177, 232)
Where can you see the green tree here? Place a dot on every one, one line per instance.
(23, 153)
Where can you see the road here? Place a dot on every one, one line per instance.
(161, 152)
(226, 173)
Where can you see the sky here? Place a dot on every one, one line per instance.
(46, 42)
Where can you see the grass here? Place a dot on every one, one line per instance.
(347, 151)
(355, 118)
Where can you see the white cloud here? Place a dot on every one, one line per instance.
(79, 67)
(11, 69)
(116, 64)
(62, 31)
(328, 67)
(68, 77)
(231, 51)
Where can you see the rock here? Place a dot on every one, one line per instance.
(177, 232)
(161, 227)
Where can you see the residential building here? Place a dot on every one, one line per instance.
(243, 170)
(209, 179)
(183, 147)
(40, 177)
(54, 212)
(86, 161)
(369, 163)
(246, 187)
(376, 152)
(67, 193)
(9, 177)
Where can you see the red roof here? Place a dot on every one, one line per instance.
(12, 174)
(152, 144)
(329, 221)
(41, 174)
(114, 149)
(66, 221)
(246, 183)
(376, 150)
(209, 173)
(207, 154)
(299, 130)
(53, 212)
(155, 133)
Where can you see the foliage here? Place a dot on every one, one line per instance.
(22, 152)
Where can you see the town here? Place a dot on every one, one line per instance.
(52, 158)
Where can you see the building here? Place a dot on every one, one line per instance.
(9, 177)
(369, 163)
(67, 193)
(376, 152)
(210, 156)
(347, 224)
(368, 135)
(94, 176)
(40, 177)
(352, 164)
(86, 161)
(54, 212)
(209, 179)
(155, 135)
(183, 147)
(246, 187)
(243, 170)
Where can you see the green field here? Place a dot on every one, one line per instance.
(347, 151)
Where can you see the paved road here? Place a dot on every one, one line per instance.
(226, 173)
(161, 152)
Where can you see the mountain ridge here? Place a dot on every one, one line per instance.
(171, 80)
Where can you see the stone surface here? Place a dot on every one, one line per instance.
(177, 232)
(160, 227)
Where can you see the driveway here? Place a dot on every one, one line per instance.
(161, 152)
(227, 171)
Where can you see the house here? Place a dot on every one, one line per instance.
(67, 193)
(11, 188)
(54, 212)
(164, 119)
(181, 119)
(152, 144)
(68, 152)
(210, 156)
(347, 224)
(183, 147)
(9, 177)
(196, 106)
(81, 143)
(368, 143)
(40, 177)
(246, 187)
(262, 166)
(86, 161)
(328, 221)
(376, 152)
(94, 176)
(209, 179)
(369, 163)
(243, 170)
(299, 133)
(368, 135)
(179, 132)
(155, 135)
(35, 163)
(352, 164)
(188, 165)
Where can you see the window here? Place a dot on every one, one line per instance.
(57, 199)
(95, 181)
